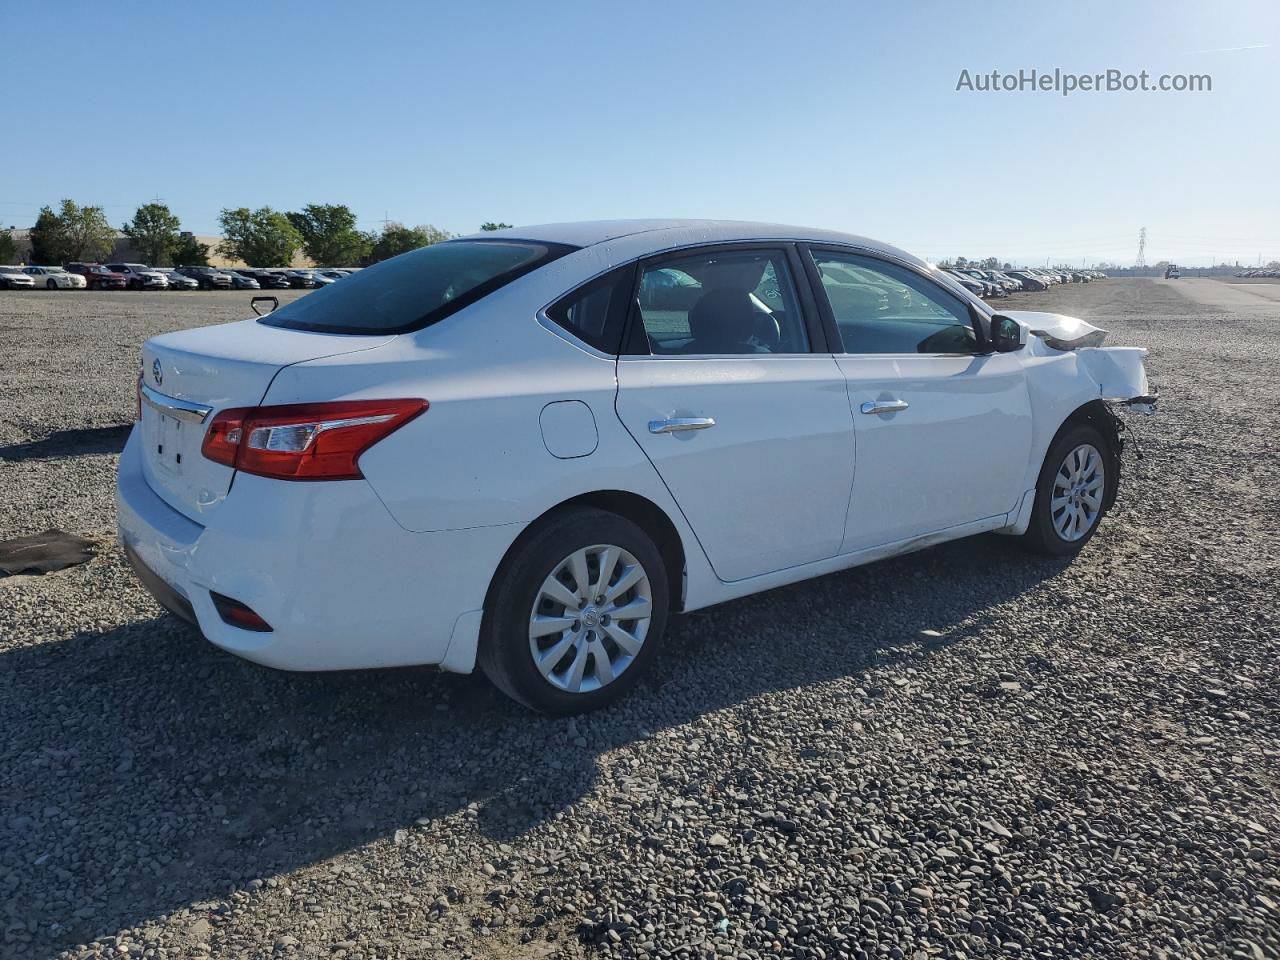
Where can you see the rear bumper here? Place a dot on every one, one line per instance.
(164, 594)
(341, 584)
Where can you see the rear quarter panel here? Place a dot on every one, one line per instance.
(478, 456)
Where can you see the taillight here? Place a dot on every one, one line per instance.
(305, 441)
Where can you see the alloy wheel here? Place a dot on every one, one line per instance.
(590, 618)
(1078, 489)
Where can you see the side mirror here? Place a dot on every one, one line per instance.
(274, 301)
(1007, 335)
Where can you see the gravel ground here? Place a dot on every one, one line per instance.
(962, 753)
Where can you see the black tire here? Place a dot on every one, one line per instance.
(50, 285)
(135, 284)
(1043, 535)
(505, 653)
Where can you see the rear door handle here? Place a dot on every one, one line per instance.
(680, 424)
(884, 406)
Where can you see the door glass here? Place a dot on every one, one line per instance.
(882, 308)
(722, 303)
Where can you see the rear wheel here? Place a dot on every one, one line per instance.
(1071, 494)
(576, 614)
(50, 285)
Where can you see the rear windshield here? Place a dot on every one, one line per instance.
(417, 288)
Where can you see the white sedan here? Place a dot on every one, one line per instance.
(54, 278)
(13, 278)
(523, 450)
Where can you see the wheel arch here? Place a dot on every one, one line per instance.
(1098, 415)
(641, 511)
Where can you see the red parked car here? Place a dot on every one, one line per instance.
(98, 277)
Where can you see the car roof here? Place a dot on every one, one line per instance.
(664, 234)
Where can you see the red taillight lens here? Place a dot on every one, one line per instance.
(305, 441)
(238, 614)
(222, 439)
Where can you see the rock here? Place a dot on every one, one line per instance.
(994, 826)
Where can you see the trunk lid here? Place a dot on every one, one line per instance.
(192, 375)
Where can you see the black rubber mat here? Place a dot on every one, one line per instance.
(43, 552)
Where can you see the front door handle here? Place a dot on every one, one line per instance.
(884, 406)
(680, 424)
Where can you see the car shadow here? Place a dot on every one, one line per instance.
(70, 443)
(218, 771)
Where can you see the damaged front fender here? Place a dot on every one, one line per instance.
(1119, 372)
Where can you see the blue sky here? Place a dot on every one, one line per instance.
(841, 115)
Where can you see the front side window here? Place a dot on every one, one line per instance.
(735, 302)
(879, 307)
(416, 288)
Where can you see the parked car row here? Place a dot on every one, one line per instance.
(1001, 283)
(1258, 272)
(138, 276)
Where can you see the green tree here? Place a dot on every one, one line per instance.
(153, 232)
(396, 239)
(261, 238)
(329, 235)
(89, 235)
(190, 252)
(73, 233)
(48, 244)
(495, 226)
(8, 248)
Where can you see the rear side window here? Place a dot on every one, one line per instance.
(596, 312)
(415, 289)
(723, 303)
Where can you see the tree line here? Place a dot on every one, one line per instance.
(325, 232)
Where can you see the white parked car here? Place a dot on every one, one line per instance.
(141, 277)
(523, 450)
(54, 278)
(14, 278)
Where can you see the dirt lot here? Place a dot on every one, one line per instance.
(962, 753)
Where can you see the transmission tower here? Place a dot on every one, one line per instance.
(1142, 248)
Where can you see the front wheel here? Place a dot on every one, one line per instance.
(1072, 492)
(576, 614)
